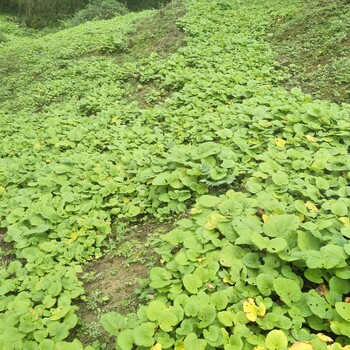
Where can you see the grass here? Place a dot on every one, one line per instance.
(313, 44)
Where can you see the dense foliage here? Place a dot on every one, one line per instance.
(41, 13)
(261, 262)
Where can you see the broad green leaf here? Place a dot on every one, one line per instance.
(206, 315)
(343, 309)
(192, 283)
(144, 334)
(125, 340)
(226, 318)
(276, 340)
(154, 309)
(280, 178)
(281, 225)
(264, 283)
(339, 208)
(322, 183)
(288, 290)
(167, 320)
(113, 322)
(208, 201)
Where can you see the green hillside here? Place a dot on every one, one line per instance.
(169, 145)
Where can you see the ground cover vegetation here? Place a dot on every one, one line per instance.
(314, 43)
(93, 136)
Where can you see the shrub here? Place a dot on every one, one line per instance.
(99, 9)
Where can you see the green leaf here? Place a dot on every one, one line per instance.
(277, 245)
(161, 179)
(318, 305)
(322, 183)
(339, 208)
(192, 283)
(167, 320)
(154, 309)
(192, 342)
(113, 322)
(230, 207)
(144, 334)
(288, 290)
(280, 178)
(276, 340)
(191, 308)
(59, 312)
(206, 315)
(226, 318)
(125, 340)
(208, 201)
(281, 225)
(343, 310)
(264, 283)
(229, 254)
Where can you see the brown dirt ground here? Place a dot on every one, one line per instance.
(110, 282)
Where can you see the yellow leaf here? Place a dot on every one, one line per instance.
(253, 311)
(195, 211)
(301, 216)
(227, 280)
(259, 347)
(213, 220)
(324, 338)
(74, 235)
(301, 346)
(311, 206)
(311, 138)
(345, 220)
(280, 142)
(264, 217)
(156, 347)
(179, 346)
(2, 190)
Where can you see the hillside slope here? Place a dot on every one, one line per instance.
(313, 43)
(95, 133)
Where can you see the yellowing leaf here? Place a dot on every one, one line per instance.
(126, 200)
(301, 346)
(74, 235)
(301, 216)
(179, 346)
(280, 142)
(311, 206)
(213, 220)
(2, 190)
(227, 280)
(324, 338)
(311, 138)
(259, 347)
(195, 211)
(345, 220)
(252, 310)
(156, 347)
(264, 217)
